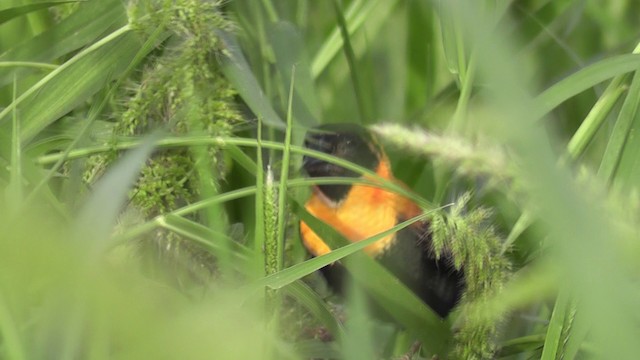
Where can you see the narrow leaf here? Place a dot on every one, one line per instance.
(7, 14)
(582, 80)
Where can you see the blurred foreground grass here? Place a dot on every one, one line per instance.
(142, 214)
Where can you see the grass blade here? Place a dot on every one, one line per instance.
(617, 146)
(361, 99)
(8, 13)
(555, 328)
(74, 32)
(15, 185)
(284, 178)
(582, 80)
(73, 82)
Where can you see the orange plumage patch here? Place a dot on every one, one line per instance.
(366, 211)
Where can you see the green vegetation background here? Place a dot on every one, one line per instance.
(149, 166)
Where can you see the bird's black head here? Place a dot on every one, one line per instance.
(346, 141)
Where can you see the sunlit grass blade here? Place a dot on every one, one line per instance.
(523, 222)
(617, 145)
(596, 117)
(552, 342)
(628, 170)
(598, 114)
(73, 82)
(15, 186)
(8, 13)
(582, 80)
(284, 177)
(11, 334)
(259, 235)
(576, 341)
(79, 29)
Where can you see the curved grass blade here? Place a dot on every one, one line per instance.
(555, 328)
(9, 13)
(169, 142)
(74, 32)
(73, 82)
(582, 80)
(620, 162)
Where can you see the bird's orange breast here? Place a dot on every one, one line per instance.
(365, 212)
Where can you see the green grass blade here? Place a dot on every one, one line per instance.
(524, 344)
(8, 13)
(582, 80)
(555, 328)
(170, 142)
(15, 185)
(596, 117)
(361, 98)
(523, 222)
(259, 230)
(284, 178)
(73, 82)
(86, 24)
(598, 114)
(28, 64)
(575, 343)
(271, 10)
(618, 146)
(12, 346)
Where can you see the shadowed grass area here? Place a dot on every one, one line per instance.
(150, 155)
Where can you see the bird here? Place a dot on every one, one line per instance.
(359, 211)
